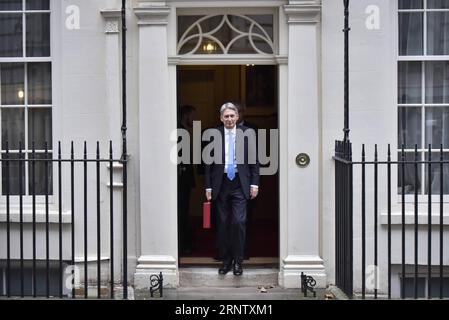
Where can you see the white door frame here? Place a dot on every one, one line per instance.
(299, 196)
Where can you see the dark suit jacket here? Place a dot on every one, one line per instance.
(248, 174)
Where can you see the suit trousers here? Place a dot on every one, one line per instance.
(231, 208)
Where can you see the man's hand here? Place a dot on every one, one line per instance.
(208, 195)
(254, 192)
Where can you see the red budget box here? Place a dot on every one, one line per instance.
(206, 215)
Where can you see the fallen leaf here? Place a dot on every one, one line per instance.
(329, 296)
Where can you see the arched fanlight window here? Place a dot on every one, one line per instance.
(226, 34)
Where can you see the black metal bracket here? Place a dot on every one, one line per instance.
(307, 284)
(156, 284)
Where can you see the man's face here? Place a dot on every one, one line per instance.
(229, 118)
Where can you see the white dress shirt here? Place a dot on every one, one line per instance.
(227, 136)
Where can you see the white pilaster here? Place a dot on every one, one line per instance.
(158, 198)
(300, 215)
(113, 97)
(113, 74)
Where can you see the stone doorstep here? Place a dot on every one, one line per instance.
(209, 277)
(228, 293)
(259, 292)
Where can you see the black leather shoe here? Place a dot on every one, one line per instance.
(225, 268)
(238, 270)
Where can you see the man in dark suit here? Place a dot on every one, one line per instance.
(232, 183)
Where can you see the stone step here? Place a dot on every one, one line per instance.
(240, 293)
(209, 277)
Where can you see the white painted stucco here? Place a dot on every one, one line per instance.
(87, 106)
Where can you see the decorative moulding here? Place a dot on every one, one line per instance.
(112, 20)
(303, 12)
(305, 2)
(152, 15)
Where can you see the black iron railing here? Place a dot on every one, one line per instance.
(85, 203)
(422, 180)
(343, 216)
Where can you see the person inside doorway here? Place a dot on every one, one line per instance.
(186, 182)
(232, 184)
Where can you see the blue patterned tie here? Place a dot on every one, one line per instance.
(230, 169)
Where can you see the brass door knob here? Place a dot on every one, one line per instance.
(302, 160)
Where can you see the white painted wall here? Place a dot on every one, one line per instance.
(85, 77)
(81, 112)
(372, 99)
(373, 119)
(89, 77)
